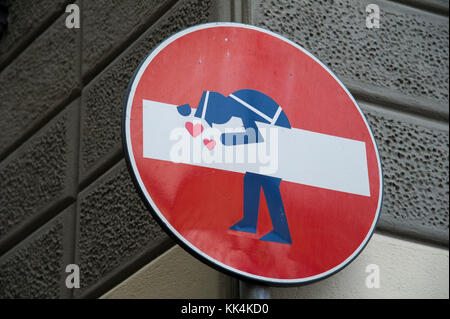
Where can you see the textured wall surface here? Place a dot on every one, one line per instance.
(39, 80)
(407, 54)
(27, 18)
(40, 174)
(415, 167)
(106, 31)
(113, 224)
(41, 93)
(66, 195)
(35, 268)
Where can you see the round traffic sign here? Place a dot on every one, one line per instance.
(252, 154)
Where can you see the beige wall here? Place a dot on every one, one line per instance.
(175, 274)
(406, 269)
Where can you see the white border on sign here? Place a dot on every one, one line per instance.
(132, 161)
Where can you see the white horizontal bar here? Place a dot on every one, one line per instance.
(295, 155)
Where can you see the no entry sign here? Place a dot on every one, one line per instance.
(252, 154)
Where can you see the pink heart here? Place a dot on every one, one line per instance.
(209, 143)
(194, 130)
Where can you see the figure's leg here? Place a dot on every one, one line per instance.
(252, 192)
(280, 233)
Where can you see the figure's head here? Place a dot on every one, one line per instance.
(184, 109)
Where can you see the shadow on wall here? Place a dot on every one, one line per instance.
(3, 17)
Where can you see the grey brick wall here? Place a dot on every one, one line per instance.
(37, 83)
(26, 20)
(106, 35)
(407, 55)
(113, 225)
(39, 176)
(65, 193)
(415, 154)
(36, 267)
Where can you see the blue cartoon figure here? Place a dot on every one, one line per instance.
(250, 106)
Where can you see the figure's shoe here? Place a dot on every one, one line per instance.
(275, 237)
(244, 227)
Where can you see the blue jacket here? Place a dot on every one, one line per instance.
(249, 105)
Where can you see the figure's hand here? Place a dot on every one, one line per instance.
(240, 138)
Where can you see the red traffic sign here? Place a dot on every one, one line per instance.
(252, 154)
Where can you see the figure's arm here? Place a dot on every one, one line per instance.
(251, 135)
(201, 104)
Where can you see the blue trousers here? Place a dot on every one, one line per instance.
(252, 191)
